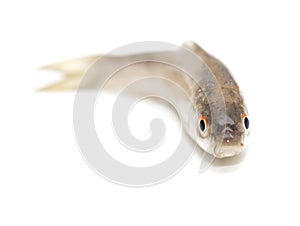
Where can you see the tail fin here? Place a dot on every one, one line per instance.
(72, 72)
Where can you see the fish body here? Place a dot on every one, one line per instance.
(221, 125)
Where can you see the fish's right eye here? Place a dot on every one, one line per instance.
(203, 124)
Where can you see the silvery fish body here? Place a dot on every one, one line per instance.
(209, 102)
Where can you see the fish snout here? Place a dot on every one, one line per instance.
(231, 143)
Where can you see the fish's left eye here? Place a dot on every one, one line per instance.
(246, 121)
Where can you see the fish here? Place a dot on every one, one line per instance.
(221, 123)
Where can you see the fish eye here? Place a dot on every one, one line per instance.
(246, 121)
(203, 124)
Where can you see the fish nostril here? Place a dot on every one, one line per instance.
(227, 133)
(227, 130)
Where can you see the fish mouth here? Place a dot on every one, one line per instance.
(228, 151)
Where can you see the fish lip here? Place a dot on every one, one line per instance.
(228, 151)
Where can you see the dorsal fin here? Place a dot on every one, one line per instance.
(194, 47)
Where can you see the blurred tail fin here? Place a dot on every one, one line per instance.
(72, 72)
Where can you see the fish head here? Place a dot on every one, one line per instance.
(226, 134)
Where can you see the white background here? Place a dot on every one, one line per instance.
(45, 181)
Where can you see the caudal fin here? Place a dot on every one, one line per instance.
(72, 71)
